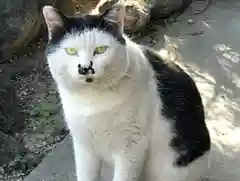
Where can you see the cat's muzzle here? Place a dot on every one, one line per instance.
(86, 70)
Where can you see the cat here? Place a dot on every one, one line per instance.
(124, 104)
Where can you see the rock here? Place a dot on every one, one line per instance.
(9, 148)
(66, 6)
(165, 8)
(85, 6)
(20, 22)
(140, 12)
(1, 170)
(137, 14)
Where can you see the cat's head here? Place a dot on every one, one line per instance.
(88, 49)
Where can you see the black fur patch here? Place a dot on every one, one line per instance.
(182, 104)
(81, 24)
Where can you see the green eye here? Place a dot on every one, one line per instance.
(100, 50)
(71, 51)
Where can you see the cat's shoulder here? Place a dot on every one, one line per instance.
(171, 78)
(163, 67)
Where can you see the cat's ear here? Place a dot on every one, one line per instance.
(53, 19)
(116, 13)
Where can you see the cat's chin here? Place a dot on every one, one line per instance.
(85, 80)
(82, 79)
(76, 83)
(89, 79)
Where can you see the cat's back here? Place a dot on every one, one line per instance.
(182, 106)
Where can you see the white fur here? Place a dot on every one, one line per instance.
(116, 118)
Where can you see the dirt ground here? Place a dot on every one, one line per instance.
(39, 107)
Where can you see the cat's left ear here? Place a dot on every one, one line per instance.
(53, 19)
(116, 13)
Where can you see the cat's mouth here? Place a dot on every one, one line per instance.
(89, 79)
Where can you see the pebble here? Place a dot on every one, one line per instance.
(190, 21)
(1, 170)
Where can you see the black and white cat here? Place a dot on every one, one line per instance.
(124, 104)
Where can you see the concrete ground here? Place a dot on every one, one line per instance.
(209, 50)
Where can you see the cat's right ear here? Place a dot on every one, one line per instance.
(53, 19)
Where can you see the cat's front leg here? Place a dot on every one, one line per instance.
(87, 163)
(128, 166)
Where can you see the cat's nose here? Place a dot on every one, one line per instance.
(82, 70)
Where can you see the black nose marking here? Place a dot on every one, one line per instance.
(86, 70)
(92, 71)
(83, 71)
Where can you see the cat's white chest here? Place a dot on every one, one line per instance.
(109, 130)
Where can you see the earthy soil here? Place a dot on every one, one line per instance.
(39, 109)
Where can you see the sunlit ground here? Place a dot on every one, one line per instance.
(222, 108)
